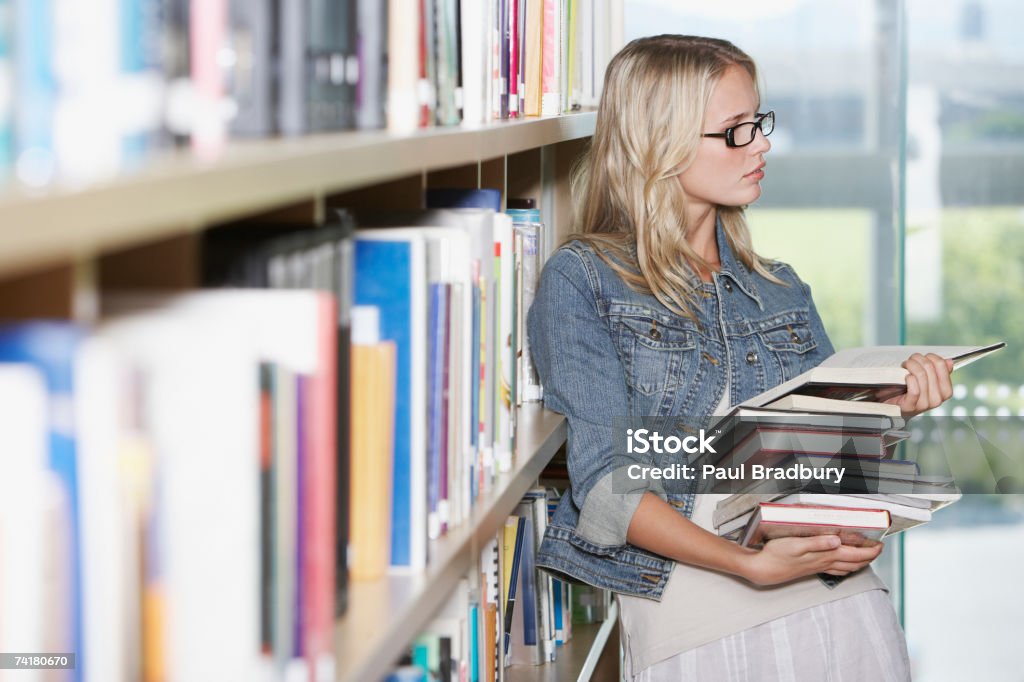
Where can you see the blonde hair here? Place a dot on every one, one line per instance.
(628, 203)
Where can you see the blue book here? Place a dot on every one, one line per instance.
(474, 643)
(517, 560)
(457, 197)
(51, 347)
(556, 592)
(6, 114)
(140, 52)
(437, 331)
(36, 85)
(390, 273)
(529, 583)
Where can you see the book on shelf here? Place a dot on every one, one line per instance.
(47, 351)
(390, 273)
(373, 398)
(514, 537)
(35, 523)
(871, 374)
(854, 526)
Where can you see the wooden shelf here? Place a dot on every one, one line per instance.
(182, 191)
(576, 658)
(385, 615)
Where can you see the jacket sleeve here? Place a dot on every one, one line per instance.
(583, 379)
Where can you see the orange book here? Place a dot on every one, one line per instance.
(372, 426)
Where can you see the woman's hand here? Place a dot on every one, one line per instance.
(928, 384)
(785, 559)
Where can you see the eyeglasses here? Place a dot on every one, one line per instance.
(743, 134)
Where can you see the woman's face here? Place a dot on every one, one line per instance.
(721, 175)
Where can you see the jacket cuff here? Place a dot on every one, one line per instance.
(609, 507)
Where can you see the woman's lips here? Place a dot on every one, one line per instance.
(756, 174)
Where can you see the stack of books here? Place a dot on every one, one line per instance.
(815, 455)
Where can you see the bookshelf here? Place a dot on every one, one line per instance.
(384, 615)
(111, 232)
(181, 192)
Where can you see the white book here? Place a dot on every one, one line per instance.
(111, 572)
(503, 398)
(200, 401)
(873, 374)
(475, 77)
(23, 485)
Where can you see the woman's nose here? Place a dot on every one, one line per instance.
(760, 145)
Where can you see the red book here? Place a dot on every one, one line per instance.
(319, 482)
(860, 527)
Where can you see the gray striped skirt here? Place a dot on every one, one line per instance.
(847, 640)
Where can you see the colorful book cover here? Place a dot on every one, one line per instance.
(6, 88)
(319, 481)
(51, 347)
(35, 83)
(371, 53)
(437, 327)
(391, 275)
(551, 97)
(373, 396)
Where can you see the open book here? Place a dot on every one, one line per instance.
(870, 374)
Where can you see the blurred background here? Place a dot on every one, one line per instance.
(898, 153)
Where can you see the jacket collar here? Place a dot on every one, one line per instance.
(732, 268)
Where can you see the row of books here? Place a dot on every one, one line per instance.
(211, 459)
(511, 613)
(187, 455)
(95, 89)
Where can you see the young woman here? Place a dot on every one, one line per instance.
(660, 307)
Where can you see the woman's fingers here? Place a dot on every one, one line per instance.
(943, 369)
(928, 383)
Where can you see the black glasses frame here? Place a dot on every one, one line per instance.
(730, 133)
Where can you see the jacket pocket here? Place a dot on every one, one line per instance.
(656, 349)
(789, 338)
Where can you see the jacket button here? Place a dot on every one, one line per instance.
(728, 285)
(795, 337)
(751, 357)
(655, 334)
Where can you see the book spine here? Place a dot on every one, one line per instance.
(514, 53)
(447, 505)
(209, 23)
(35, 84)
(320, 484)
(330, 65)
(534, 77)
(266, 461)
(285, 456)
(299, 601)
(6, 88)
(373, 386)
(403, 64)
(141, 85)
(293, 117)
(505, 33)
(550, 86)
(474, 41)
(434, 412)
(371, 55)
(252, 74)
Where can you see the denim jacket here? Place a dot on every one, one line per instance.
(604, 351)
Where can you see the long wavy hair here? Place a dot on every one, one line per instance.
(629, 205)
